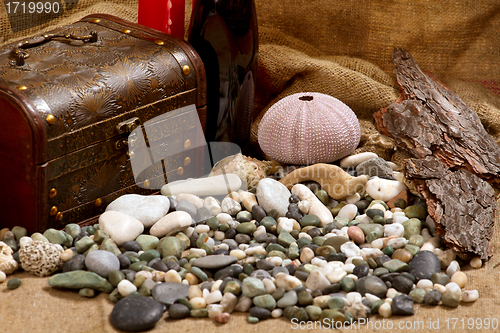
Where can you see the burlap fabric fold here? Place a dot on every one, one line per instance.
(341, 48)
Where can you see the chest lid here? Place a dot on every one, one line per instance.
(80, 81)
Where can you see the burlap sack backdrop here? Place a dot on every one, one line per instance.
(342, 48)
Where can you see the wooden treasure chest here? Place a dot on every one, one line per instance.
(92, 111)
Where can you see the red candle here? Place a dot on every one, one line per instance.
(163, 15)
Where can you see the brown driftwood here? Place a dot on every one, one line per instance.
(453, 154)
(461, 204)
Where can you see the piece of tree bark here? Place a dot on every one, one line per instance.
(453, 154)
(461, 204)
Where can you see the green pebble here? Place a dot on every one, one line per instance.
(314, 312)
(412, 227)
(325, 250)
(336, 242)
(248, 268)
(440, 278)
(39, 237)
(72, 229)
(295, 312)
(347, 284)
(375, 306)
(138, 281)
(335, 210)
(252, 287)
(265, 301)
(202, 238)
(416, 240)
(147, 242)
(171, 246)
(343, 221)
(109, 245)
(400, 203)
(86, 292)
(319, 240)
(96, 226)
(242, 276)
(309, 220)
(328, 228)
(322, 196)
(275, 247)
(12, 244)
(372, 212)
(277, 254)
(304, 297)
(149, 255)
(213, 223)
(274, 213)
(372, 263)
(83, 244)
(137, 266)
(55, 236)
(379, 219)
(134, 293)
(417, 212)
(79, 280)
(389, 250)
(199, 313)
(115, 276)
(418, 295)
(91, 230)
(183, 273)
(336, 303)
(232, 287)
(19, 232)
(132, 257)
(413, 249)
(357, 262)
(301, 242)
(396, 265)
(224, 227)
(199, 273)
(450, 300)
(332, 317)
(94, 247)
(185, 241)
(14, 283)
(269, 223)
(293, 251)
(294, 234)
(381, 202)
(252, 320)
(285, 239)
(207, 248)
(368, 228)
(100, 236)
(147, 269)
(244, 214)
(246, 228)
(143, 291)
(185, 302)
(115, 296)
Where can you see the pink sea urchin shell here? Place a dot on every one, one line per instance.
(308, 128)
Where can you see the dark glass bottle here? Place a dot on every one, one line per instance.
(224, 33)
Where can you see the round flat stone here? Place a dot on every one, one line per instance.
(102, 262)
(424, 264)
(136, 313)
(178, 311)
(167, 293)
(214, 262)
(372, 285)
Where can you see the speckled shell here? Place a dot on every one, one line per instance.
(308, 128)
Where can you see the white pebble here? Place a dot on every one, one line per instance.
(253, 250)
(336, 275)
(439, 287)
(146, 274)
(388, 300)
(385, 310)
(276, 313)
(459, 278)
(394, 229)
(348, 268)
(372, 297)
(214, 297)
(476, 262)
(350, 249)
(384, 189)
(244, 304)
(243, 247)
(205, 292)
(363, 219)
(230, 206)
(353, 277)
(148, 284)
(391, 293)
(224, 218)
(388, 215)
(452, 268)
(189, 231)
(319, 262)
(269, 286)
(238, 254)
(401, 213)
(214, 309)
(219, 235)
(3, 277)
(125, 287)
(355, 160)
(259, 231)
(349, 260)
(306, 255)
(353, 198)
(185, 282)
(172, 276)
(354, 297)
(201, 228)
(276, 261)
(285, 223)
(425, 234)
(212, 205)
(431, 244)
(24, 241)
(349, 211)
(397, 243)
(229, 301)
(198, 303)
(470, 296)
(67, 255)
(425, 284)
(216, 285)
(194, 291)
(211, 233)
(367, 253)
(304, 206)
(378, 206)
(394, 167)
(378, 244)
(454, 288)
(223, 246)
(195, 250)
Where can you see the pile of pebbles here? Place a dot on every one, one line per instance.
(376, 257)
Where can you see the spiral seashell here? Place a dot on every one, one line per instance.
(308, 128)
